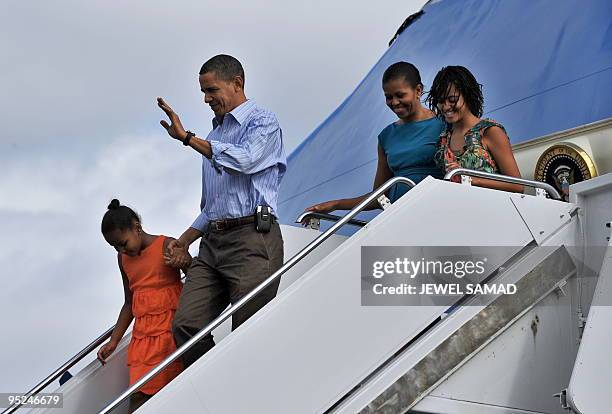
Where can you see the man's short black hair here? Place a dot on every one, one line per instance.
(225, 66)
(403, 70)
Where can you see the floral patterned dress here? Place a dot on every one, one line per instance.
(474, 155)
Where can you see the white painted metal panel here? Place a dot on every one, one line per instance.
(589, 388)
(594, 197)
(95, 385)
(311, 345)
(524, 366)
(489, 378)
(543, 217)
(295, 239)
(439, 405)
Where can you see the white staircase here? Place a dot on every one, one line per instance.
(315, 348)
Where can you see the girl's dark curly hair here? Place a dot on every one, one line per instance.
(465, 83)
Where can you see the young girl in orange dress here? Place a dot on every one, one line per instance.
(152, 290)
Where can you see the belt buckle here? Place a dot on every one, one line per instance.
(218, 225)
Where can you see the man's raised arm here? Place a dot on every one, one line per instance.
(261, 148)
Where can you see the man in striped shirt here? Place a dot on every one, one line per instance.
(243, 162)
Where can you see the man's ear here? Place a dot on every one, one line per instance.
(238, 83)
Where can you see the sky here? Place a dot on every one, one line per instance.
(80, 126)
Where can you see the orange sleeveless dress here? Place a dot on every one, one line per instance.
(156, 288)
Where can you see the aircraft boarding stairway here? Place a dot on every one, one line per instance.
(315, 348)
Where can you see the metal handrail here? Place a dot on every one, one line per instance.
(309, 215)
(65, 367)
(236, 306)
(506, 179)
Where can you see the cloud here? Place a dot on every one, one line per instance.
(92, 70)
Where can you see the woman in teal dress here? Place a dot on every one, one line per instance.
(406, 147)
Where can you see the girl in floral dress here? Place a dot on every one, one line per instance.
(469, 141)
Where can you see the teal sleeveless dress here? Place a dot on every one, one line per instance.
(410, 150)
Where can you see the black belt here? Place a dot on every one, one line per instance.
(226, 224)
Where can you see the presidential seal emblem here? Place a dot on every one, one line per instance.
(564, 164)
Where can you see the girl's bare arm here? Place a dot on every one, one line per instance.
(498, 144)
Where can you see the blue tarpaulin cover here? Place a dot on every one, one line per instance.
(545, 66)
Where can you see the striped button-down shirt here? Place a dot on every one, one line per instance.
(247, 165)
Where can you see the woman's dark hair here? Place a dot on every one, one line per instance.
(118, 217)
(464, 82)
(403, 70)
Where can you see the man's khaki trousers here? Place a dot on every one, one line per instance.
(229, 265)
